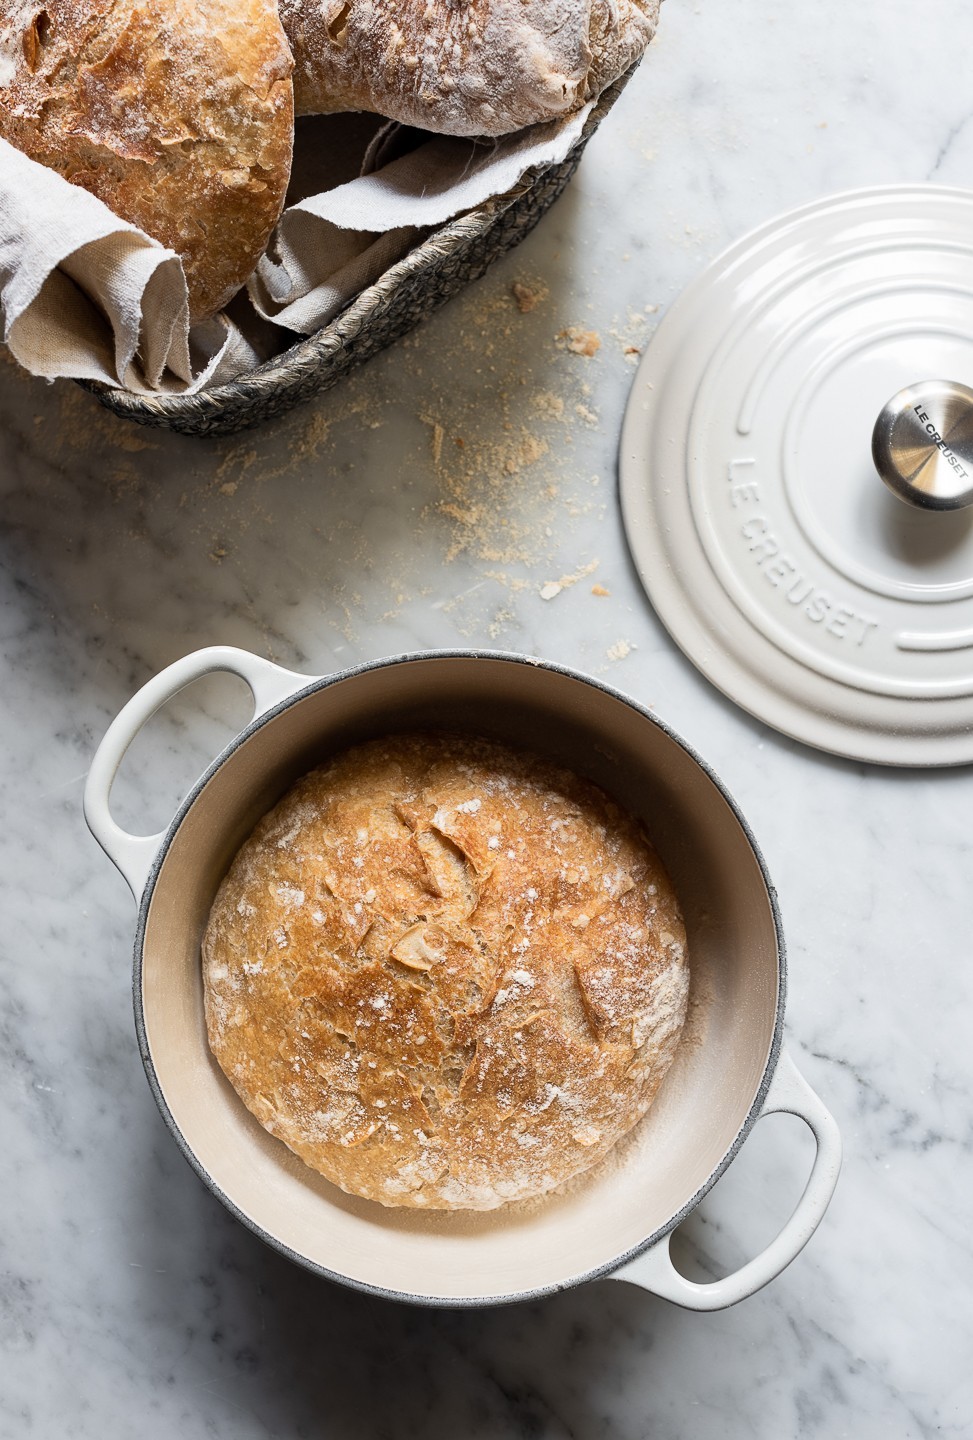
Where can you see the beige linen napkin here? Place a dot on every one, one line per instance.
(85, 295)
(329, 247)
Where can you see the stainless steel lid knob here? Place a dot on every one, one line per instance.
(922, 445)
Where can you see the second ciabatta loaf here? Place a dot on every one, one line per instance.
(446, 973)
(177, 114)
(462, 67)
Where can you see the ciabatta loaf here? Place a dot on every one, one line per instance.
(462, 67)
(445, 973)
(178, 114)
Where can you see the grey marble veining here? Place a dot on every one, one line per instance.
(130, 1302)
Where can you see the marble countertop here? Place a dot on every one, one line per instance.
(427, 502)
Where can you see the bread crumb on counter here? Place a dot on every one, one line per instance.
(579, 341)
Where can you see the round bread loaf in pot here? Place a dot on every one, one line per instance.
(446, 973)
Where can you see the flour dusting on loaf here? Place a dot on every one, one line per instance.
(177, 114)
(446, 973)
(462, 67)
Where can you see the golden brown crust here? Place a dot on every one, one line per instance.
(445, 973)
(178, 114)
(462, 67)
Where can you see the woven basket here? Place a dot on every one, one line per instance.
(431, 274)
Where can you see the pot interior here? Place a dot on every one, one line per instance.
(705, 1100)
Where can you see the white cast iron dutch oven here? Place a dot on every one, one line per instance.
(730, 1069)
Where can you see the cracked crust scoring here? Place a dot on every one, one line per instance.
(445, 973)
(178, 114)
(462, 67)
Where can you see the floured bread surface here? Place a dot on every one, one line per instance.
(462, 67)
(445, 973)
(178, 114)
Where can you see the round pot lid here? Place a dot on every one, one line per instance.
(812, 593)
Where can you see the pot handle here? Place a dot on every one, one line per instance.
(791, 1094)
(134, 854)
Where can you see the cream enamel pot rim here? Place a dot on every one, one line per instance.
(730, 1069)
